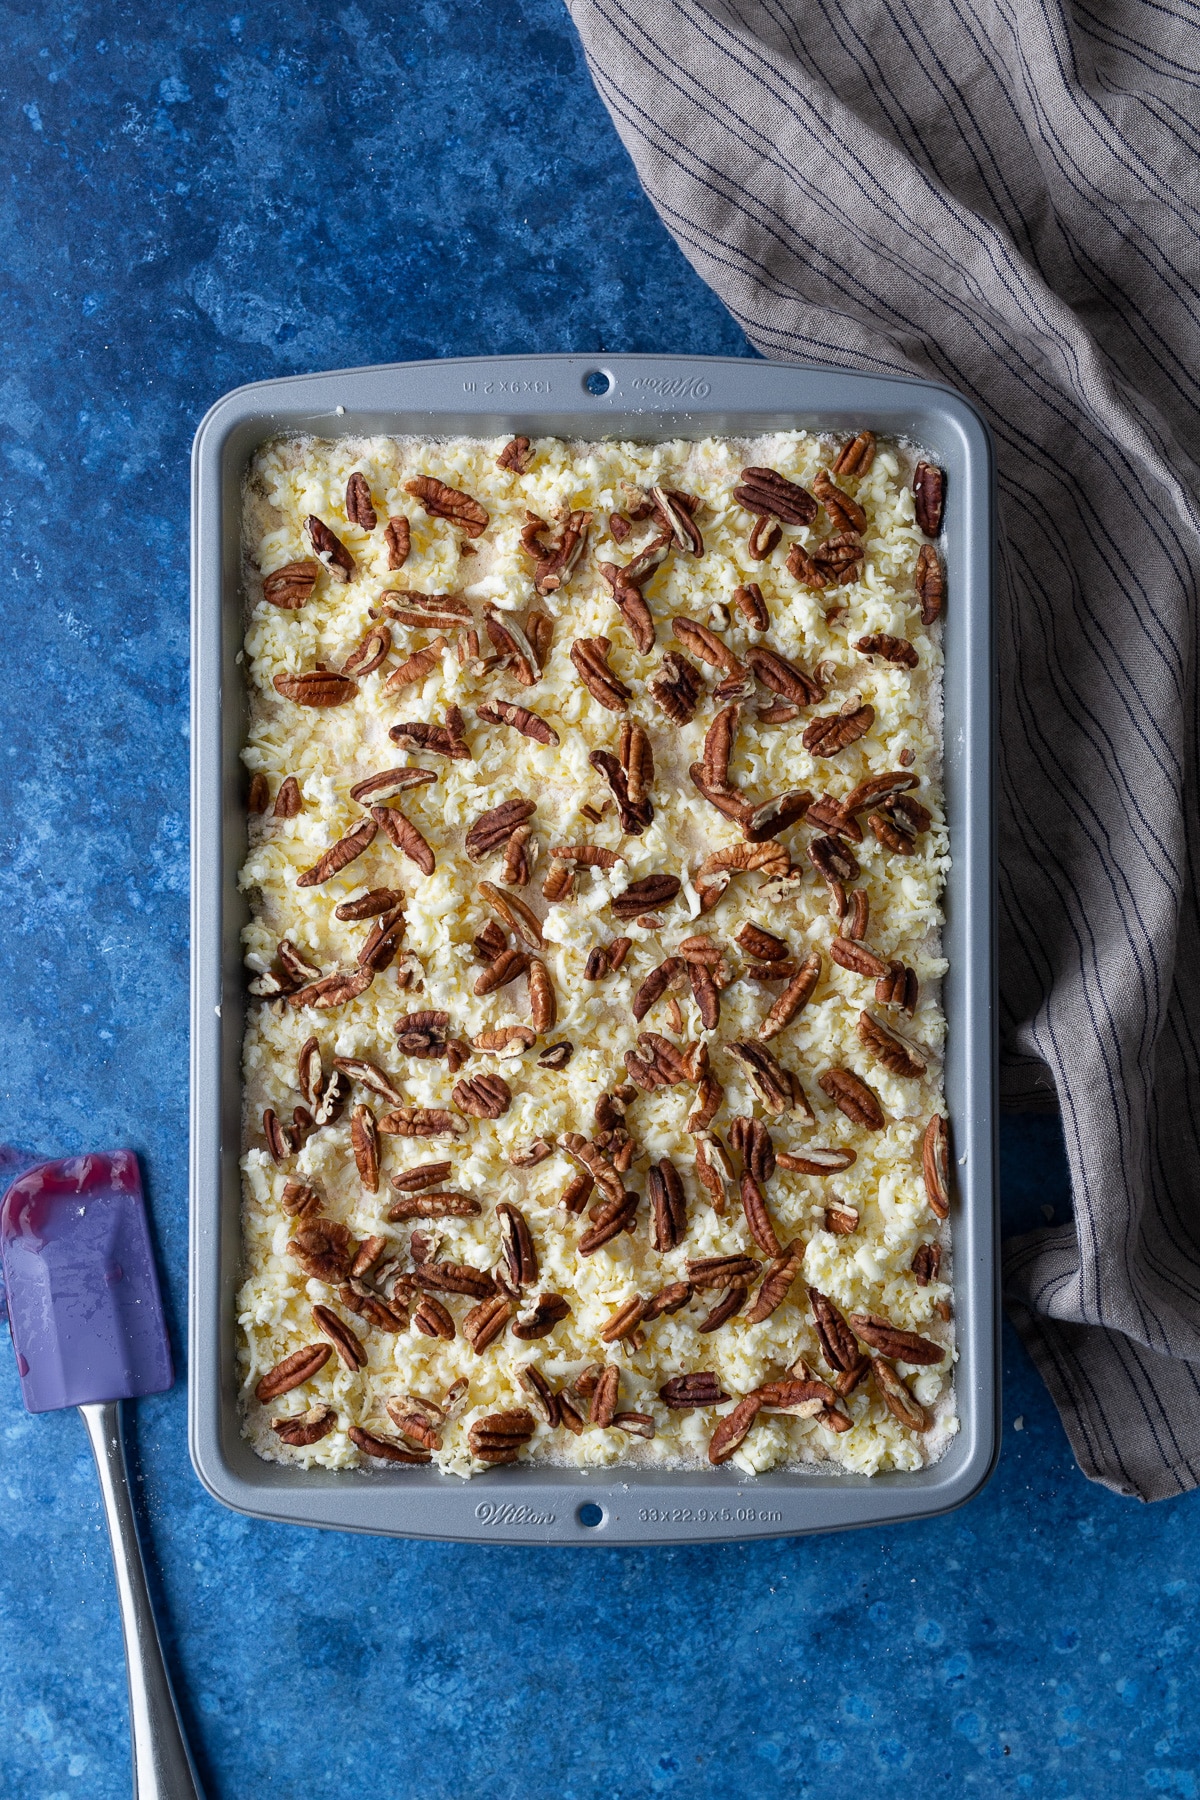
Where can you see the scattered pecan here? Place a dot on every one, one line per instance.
(926, 1263)
(520, 854)
(764, 536)
(684, 1392)
(631, 603)
(604, 1397)
(307, 1427)
(299, 1201)
(420, 1122)
(776, 815)
(664, 1190)
(753, 608)
(897, 1396)
(292, 585)
(929, 579)
(765, 491)
(668, 973)
(841, 1218)
(364, 1140)
(416, 667)
(281, 1139)
(853, 1097)
(764, 946)
(888, 1047)
(503, 712)
(539, 1320)
(722, 1271)
(543, 1399)
(339, 855)
(856, 456)
(676, 686)
(333, 990)
(832, 860)
(831, 732)
(726, 1308)
(330, 549)
(706, 646)
(935, 1165)
(519, 917)
(511, 642)
(500, 1436)
(397, 537)
(637, 762)
(559, 883)
(656, 1063)
(668, 1300)
(556, 1056)
(618, 950)
(448, 503)
(714, 1170)
(505, 1040)
(839, 1346)
(436, 1205)
(454, 1278)
(624, 1321)
(483, 1096)
(784, 677)
(424, 611)
(292, 1371)
(316, 687)
(382, 1449)
(608, 1222)
(494, 827)
(515, 456)
(907, 812)
(425, 1175)
(706, 994)
(577, 1192)
(258, 796)
(892, 1341)
(346, 1342)
(414, 1423)
(846, 514)
(839, 558)
(778, 1088)
(848, 953)
(929, 497)
(889, 834)
(359, 509)
(830, 815)
(898, 986)
(517, 1245)
(778, 1276)
(892, 649)
(752, 1141)
(484, 1323)
(733, 1429)
(804, 569)
(675, 512)
(758, 1218)
(857, 917)
(646, 895)
(556, 560)
(505, 968)
(323, 1248)
(590, 657)
(619, 527)
(543, 1008)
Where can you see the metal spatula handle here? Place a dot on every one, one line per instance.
(162, 1763)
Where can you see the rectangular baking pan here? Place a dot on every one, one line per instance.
(649, 398)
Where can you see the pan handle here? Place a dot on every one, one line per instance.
(162, 1763)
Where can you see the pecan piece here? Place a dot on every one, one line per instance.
(425, 1175)
(543, 1399)
(758, 1219)
(483, 1096)
(714, 1170)
(556, 1056)
(890, 835)
(929, 579)
(258, 796)
(624, 1321)
(420, 1122)
(299, 1201)
(926, 1263)
(420, 664)
(733, 1429)
(935, 1165)
(895, 1052)
(577, 1192)
(684, 1392)
(385, 786)
(424, 611)
(752, 1141)
(330, 549)
(764, 536)
(853, 1097)
(719, 741)
(494, 827)
(849, 954)
(878, 790)
(515, 456)
(500, 1436)
(281, 1140)
(397, 537)
(382, 1449)
(631, 604)
(323, 1248)
(519, 718)
(892, 649)
(722, 1271)
(443, 1205)
(519, 917)
(603, 1399)
(668, 1300)
(556, 561)
(505, 968)
(778, 1088)
(423, 1034)
(675, 511)
(839, 558)
(856, 456)
(292, 585)
(783, 677)
(764, 946)
(448, 503)
(359, 509)
(831, 732)
(543, 1008)
(845, 513)
(339, 855)
(517, 1245)
(656, 1063)
(316, 687)
(413, 1423)
(897, 1396)
(753, 608)
(484, 1323)
(364, 1140)
(539, 1320)
(706, 994)
(668, 1203)
(705, 645)
(666, 975)
(346, 1342)
(676, 686)
(929, 497)
(727, 1307)
(307, 1427)
(646, 895)
(855, 924)
(898, 986)
(559, 883)
(832, 860)
(764, 822)
(404, 835)
(767, 491)
(333, 990)
(292, 1371)
(637, 763)
(608, 1222)
(417, 734)
(838, 1344)
(590, 657)
(505, 1040)
(830, 815)
(841, 1219)
(892, 1341)
(778, 1277)
(804, 569)
(454, 1278)
(593, 1160)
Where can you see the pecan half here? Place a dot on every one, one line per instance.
(505, 968)
(333, 990)
(929, 579)
(484, 1323)
(722, 1271)
(423, 1034)
(892, 649)
(893, 1341)
(539, 1320)
(764, 536)
(500, 1436)
(764, 822)
(543, 1399)
(733, 1429)
(590, 657)
(667, 974)
(543, 1008)
(893, 1051)
(347, 1343)
(330, 549)
(405, 836)
(752, 1141)
(454, 1278)
(512, 642)
(323, 1248)
(517, 1245)
(382, 1449)
(299, 1201)
(515, 456)
(777, 1280)
(603, 1404)
(364, 1140)
(668, 1204)
(846, 514)
(414, 1423)
(397, 536)
(832, 860)
(853, 1097)
(519, 917)
(849, 954)
(634, 816)
(339, 855)
(656, 1063)
(375, 789)
(556, 1056)
(783, 677)
(519, 718)
(258, 796)
(765, 491)
(608, 1222)
(306, 1427)
(425, 1175)
(424, 611)
(831, 732)
(676, 687)
(556, 561)
(420, 1122)
(505, 1040)
(292, 1371)
(292, 585)
(758, 1218)
(839, 558)
(415, 668)
(855, 457)
(706, 994)
(281, 1139)
(448, 503)
(764, 946)
(726, 1308)
(494, 827)
(778, 1088)
(675, 511)
(802, 568)
(897, 1396)
(637, 761)
(841, 1219)
(714, 1170)
(926, 1263)
(907, 812)
(753, 608)
(646, 895)
(316, 687)
(890, 835)
(839, 1346)
(830, 815)
(359, 509)
(935, 1165)
(706, 646)
(898, 986)
(631, 603)
(483, 1096)
(682, 1393)
(433, 1206)
(929, 497)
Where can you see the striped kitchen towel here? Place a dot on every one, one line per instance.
(1002, 194)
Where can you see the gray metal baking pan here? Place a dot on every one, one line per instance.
(651, 398)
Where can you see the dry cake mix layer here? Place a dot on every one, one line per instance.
(593, 1087)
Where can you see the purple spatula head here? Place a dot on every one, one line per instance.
(83, 1301)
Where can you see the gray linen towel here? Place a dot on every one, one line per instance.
(1003, 194)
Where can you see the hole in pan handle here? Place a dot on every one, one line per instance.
(590, 1514)
(597, 382)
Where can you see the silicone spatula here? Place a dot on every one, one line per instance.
(87, 1325)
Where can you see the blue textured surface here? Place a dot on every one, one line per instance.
(194, 200)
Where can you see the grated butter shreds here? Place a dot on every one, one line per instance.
(328, 750)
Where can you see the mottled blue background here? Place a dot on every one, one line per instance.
(194, 199)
